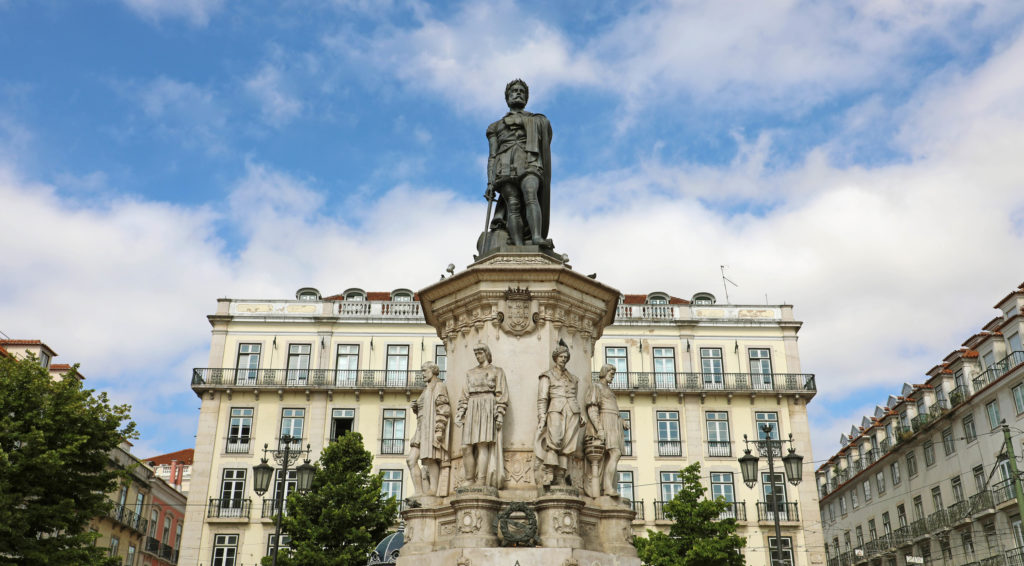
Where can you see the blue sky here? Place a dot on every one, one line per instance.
(860, 160)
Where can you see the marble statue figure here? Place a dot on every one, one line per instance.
(559, 417)
(481, 414)
(519, 170)
(607, 426)
(431, 443)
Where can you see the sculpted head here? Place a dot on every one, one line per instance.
(430, 371)
(607, 372)
(482, 348)
(560, 352)
(517, 94)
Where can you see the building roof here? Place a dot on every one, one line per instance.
(182, 456)
(19, 342)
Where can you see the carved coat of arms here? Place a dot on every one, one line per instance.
(518, 315)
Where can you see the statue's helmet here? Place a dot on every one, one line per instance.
(509, 86)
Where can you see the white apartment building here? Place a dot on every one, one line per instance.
(925, 479)
(693, 377)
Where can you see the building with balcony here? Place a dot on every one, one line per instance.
(693, 377)
(174, 468)
(926, 476)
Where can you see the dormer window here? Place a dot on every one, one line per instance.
(307, 294)
(657, 299)
(44, 359)
(355, 296)
(404, 296)
(703, 299)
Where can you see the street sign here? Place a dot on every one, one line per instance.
(914, 559)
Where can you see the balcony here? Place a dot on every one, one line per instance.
(659, 511)
(919, 528)
(998, 369)
(128, 518)
(786, 510)
(270, 507)
(152, 546)
(736, 510)
(1002, 492)
(1015, 557)
(918, 422)
(346, 379)
(981, 501)
(166, 552)
(237, 445)
(958, 395)
(228, 508)
(938, 408)
(719, 449)
(379, 310)
(938, 521)
(670, 448)
(392, 446)
(638, 507)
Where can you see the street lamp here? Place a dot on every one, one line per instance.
(791, 462)
(263, 474)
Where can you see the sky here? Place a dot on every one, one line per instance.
(858, 159)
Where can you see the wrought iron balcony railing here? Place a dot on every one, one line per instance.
(237, 445)
(364, 379)
(998, 369)
(638, 507)
(714, 382)
(1002, 492)
(786, 510)
(228, 508)
(719, 448)
(919, 528)
(152, 546)
(981, 501)
(659, 510)
(918, 422)
(670, 448)
(392, 446)
(958, 395)
(270, 508)
(736, 510)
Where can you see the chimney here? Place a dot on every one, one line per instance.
(174, 472)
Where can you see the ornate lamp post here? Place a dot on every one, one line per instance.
(792, 462)
(263, 474)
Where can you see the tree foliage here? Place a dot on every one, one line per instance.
(343, 516)
(55, 467)
(697, 537)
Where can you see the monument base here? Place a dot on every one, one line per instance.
(512, 556)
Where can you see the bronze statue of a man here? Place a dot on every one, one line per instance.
(519, 170)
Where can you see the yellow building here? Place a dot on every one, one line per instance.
(693, 378)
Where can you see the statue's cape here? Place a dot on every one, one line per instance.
(538, 140)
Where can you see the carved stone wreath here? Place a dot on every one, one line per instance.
(518, 531)
(564, 522)
(470, 521)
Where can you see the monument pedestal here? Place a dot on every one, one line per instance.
(558, 516)
(476, 514)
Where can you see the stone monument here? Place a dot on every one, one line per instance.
(528, 475)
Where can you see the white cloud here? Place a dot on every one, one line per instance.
(277, 105)
(197, 12)
(180, 110)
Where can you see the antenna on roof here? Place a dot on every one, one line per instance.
(724, 281)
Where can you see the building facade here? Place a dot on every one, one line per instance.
(174, 468)
(926, 479)
(693, 378)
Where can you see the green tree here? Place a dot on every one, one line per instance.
(343, 516)
(697, 537)
(55, 468)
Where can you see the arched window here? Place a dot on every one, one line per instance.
(703, 299)
(401, 295)
(307, 294)
(657, 299)
(355, 295)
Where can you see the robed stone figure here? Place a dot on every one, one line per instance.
(481, 414)
(606, 426)
(519, 170)
(430, 444)
(559, 417)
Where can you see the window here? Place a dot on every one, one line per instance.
(768, 418)
(668, 434)
(761, 368)
(911, 464)
(271, 539)
(347, 365)
(968, 543)
(225, 547)
(1015, 343)
(937, 498)
(441, 359)
(130, 561)
(664, 368)
(671, 484)
(944, 548)
(867, 491)
(970, 433)
(291, 425)
(958, 489)
(880, 482)
(627, 434)
(1018, 398)
(842, 505)
(342, 421)
(904, 420)
(616, 357)
(248, 362)
(711, 367)
(625, 485)
(992, 410)
(154, 517)
(948, 444)
(775, 499)
(979, 478)
(901, 515)
(886, 523)
(832, 512)
(780, 556)
(287, 485)
(114, 544)
(393, 441)
(298, 363)
(988, 359)
(167, 529)
(860, 536)
(392, 485)
(177, 536)
(397, 365)
(718, 434)
(918, 508)
(894, 471)
(1018, 534)
(239, 431)
(44, 358)
(721, 486)
(854, 500)
(929, 453)
(232, 491)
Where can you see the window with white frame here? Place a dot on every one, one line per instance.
(625, 485)
(292, 421)
(760, 367)
(948, 444)
(671, 484)
(285, 541)
(842, 505)
(342, 421)
(711, 367)
(668, 434)
(970, 432)
(115, 544)
(1018, 397)
(248, 362)
(347, 365)
(717, 423)
(239, 430)
(781, 555)
(992, 410)
(392, 484)
(722, 486)
(441, 359)
(397, 365)
(393, 439)
(958, 489)
(232, 492)
(911, 464)
(130, 560)
(664, 368)
(768, 418)
(627, 433)
(225, 549)
(615, 356)
(775, 495)
(283, 485)
(298, 363)
(867, 490)
(880, 482)
(929, 453)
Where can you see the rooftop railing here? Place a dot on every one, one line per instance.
(998, 369)
(379, 309)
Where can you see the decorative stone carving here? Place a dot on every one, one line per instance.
(429, 454)
(558, 416)
(470, 521)
(481, 414)
(464, 562)
(627, 535)
(518, 469)
(565, 522)
(518, 318)
(517, 525)
(604, 441)
(571, 562)
(446, 529)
